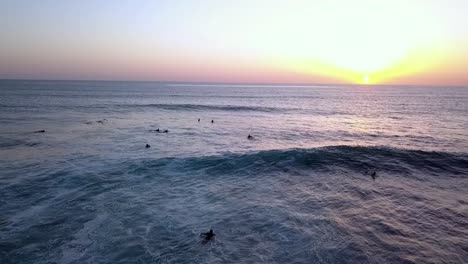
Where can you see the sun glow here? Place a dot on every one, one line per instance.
(366, 79)
(347, 40)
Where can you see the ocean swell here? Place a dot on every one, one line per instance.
(199, 107)
(256, 202)
(328, 159)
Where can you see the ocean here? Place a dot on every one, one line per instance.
(332, 173)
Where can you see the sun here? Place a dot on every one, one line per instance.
(366, 79)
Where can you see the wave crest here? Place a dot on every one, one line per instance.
(195, 107)
(328, 159)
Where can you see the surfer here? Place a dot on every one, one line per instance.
(209, 235)
(373, 175)
(198, 119)
(249, 137)
(166, 131)
(212, 121)
(39, 131)
(147, 146)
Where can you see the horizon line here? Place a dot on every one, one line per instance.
(241, 84)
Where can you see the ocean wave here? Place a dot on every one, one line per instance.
(12, 143)
(195, 107)
(164, 204)
(328, 159)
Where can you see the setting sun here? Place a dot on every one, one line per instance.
(366, 79)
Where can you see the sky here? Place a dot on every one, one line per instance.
(415, 42)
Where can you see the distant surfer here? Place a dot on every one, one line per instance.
(212, 121)
(249, 137)
(198, 119)
(208, 235)
(147, 146)
(157, 130)
(373, 175)
(166, 131)
(39, 131)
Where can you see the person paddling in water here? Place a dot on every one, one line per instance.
(373, 175)
(208, 235)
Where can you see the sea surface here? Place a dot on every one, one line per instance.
(87, 190)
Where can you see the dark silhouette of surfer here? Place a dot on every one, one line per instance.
(161, 131)
(147, 146)
(212, 121)
(374, 175)
(39, 131)
(208, 235)
(198, 119)
(249, 137)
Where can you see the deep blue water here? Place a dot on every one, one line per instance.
(88, 191)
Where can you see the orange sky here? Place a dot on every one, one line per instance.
(380, 42)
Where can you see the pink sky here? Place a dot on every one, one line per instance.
(384, 42)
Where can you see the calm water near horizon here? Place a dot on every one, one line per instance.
(88, 191)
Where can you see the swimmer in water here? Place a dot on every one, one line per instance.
(209, 235)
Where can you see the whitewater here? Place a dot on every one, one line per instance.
(86, 190)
